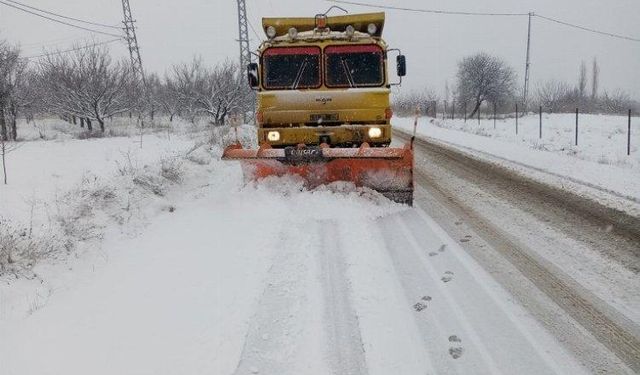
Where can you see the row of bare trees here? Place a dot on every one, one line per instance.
(193, 90)
(88, 86)
(487, 80)
(558, 96)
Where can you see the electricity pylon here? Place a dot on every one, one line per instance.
(243, 35)
(132, 41)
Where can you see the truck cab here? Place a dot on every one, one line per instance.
(324, 81)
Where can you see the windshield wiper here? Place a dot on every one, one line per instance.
(347, 71)
(296, 82)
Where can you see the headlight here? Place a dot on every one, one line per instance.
(375, 133)
(372, 28)
(271, 32)
(293, 33)
(273, 136)
(350, 31)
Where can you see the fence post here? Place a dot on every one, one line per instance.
(494, 115)
(629, 136)
(478, 115)
(577, 115)
(516, 118)
(540, 135)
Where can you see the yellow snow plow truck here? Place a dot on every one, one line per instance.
(323, 109)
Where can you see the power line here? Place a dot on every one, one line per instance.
(432, 11)
(48, 42)
(61, 16)
(588, 29)
(58, 21)
(71, 49)
(253, 28)
(254, 31)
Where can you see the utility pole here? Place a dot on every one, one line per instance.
(525, 95)
(243, 35)
(132, 41)
(136, 60)
(245, 49)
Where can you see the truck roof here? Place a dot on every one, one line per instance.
(360, 23)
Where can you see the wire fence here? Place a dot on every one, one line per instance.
(609, 125)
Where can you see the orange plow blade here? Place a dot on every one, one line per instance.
(386, 170)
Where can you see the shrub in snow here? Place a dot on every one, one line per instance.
(171, 169)
(21, 248)
(77, 209)
(89, 134)
(200, 154)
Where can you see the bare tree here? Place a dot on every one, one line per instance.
(87, 84)
(582, 80)
(447, 91)
(154, 89)
(168, 97)
(406, 104)
(595, 79)
(215, 92)
(552, 95)
(617, 102)
(11, 73)
(482, 77)
(6, 147)
(25, 97)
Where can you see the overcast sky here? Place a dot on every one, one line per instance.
(174, 31)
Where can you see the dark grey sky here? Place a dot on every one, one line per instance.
(174, 31)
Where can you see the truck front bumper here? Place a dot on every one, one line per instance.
(343, 135)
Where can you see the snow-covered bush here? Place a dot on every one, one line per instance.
(171, 168)
(21, 247)
(200, 154)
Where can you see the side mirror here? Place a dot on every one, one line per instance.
(401, 62)
(252, 75)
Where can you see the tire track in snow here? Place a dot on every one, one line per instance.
(278, 328)
(611, 328)
(345, 348)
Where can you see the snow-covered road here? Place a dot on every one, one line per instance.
(478, 278)
(273, 280)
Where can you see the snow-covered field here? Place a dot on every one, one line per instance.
(598, 162)
(212, 276)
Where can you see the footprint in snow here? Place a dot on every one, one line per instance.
(455, 351)
(441, 249)
(466, 239)
(448, 276)
(422, 304)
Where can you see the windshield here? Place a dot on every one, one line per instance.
(292, 68)
(354, 66)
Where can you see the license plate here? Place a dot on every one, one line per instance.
(303, 154)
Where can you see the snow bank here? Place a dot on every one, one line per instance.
(599, 166)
